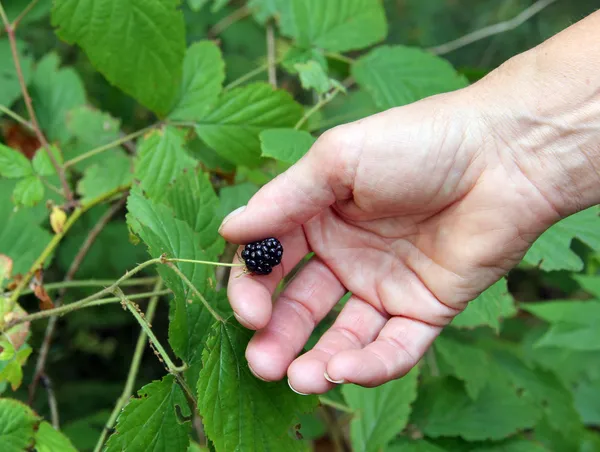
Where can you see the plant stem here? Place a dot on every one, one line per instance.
(20, 119)
(192, 261)
(77, 305)
(340, 57)
(56, 240)
(324, 101)
(250, 75)
(10, 30)
(20, 17)
(133, 369)
(228, 21)
(206, 304)
(95, 283)
(333, 404)
(271, 55)
(106, 147)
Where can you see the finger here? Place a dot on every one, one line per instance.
(294, 197)
(397, 349)
(250, 296)
(301, 305)
(358, 324)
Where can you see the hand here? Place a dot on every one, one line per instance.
(415, 211)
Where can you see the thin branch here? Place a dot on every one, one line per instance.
(250, 75)
(228, 21)
(206, 304)
(56, 239)
(20, 119)
(26, 11)
(271, 55)
(106, 147)
(146, 281)
(324, 101)
(10, 30)
(83, 250)
(47, 383)
(76, 306)
(340, 57)
(193, 261)
(333, 404)
(133, 370)
(491, 30)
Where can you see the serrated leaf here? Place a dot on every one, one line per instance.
(163, 233)
(28, 191)
(42, 164)
(586, 395)
(11, 369)
(240, 411)
(467, 363)
(233, 126)
(90, 129)
(443, 408)
(400, 75)
(552, 250)
(103, 177)
(161, 158)
(21, 237)
(203, 76)
(150, 421)
(286, 145)
(137, 45)
(335, 25)
(17, 424)
(296, 55)
(235, 196)
(313, 76)
(49, 440)
(54, 93)
(381, 412)
(13, 164)
(10, 89)
(488, 308)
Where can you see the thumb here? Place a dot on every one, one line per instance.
(293, 197)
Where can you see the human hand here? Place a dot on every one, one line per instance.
(415, 211)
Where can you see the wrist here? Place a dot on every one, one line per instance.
(544, 108)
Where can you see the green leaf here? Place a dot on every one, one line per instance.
(587, 394)
(381, 412)
(590, 284)
(335, 25)
(11, 369)
(420, 445)
(203, 76)
(401, 75)
(516, 445)
(574, 324)
(91, 129)
(443, 408)
(352, 107)
(103, 177)
(54, 93)
(137, 45)
(10, 89)
(233, 126)
(21, 237)
(313, 76)
(13, 164)
(488, 308)
(286, 145)
(28, 192)
(465, 363)
(263, 10)
(161, 158)
(297, 55)
(17, 424)
(240, 411)
(49, 440)
(552, 251)
(42, 164)
(150, 421)
(235, 196)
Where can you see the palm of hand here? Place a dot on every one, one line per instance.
(414, 230)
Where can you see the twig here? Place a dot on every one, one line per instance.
(193, 261)
(244, 78)
(51, 402)
(133, 370)
(10, 30)
(146, 281)
(333, 404)
(324, 101)
(185, 279)
(228, 21)
(20, 17)
(83, 250)
(335, 432)
(15, 116)
(340, 57)
(76, 306)
(56, 240)
(491, 30)
(271, 55)
(108, 146)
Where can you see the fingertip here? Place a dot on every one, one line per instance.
(264, 358)
(307, 376)
(230, 216)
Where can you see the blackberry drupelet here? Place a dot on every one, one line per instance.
(260, 257)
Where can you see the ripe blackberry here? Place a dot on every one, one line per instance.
(260, 257)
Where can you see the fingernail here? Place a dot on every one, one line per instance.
(243, 321)
(231, 215)
(331, 380)
(255, 374)
(292, 388)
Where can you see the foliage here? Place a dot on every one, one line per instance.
(163, 119)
